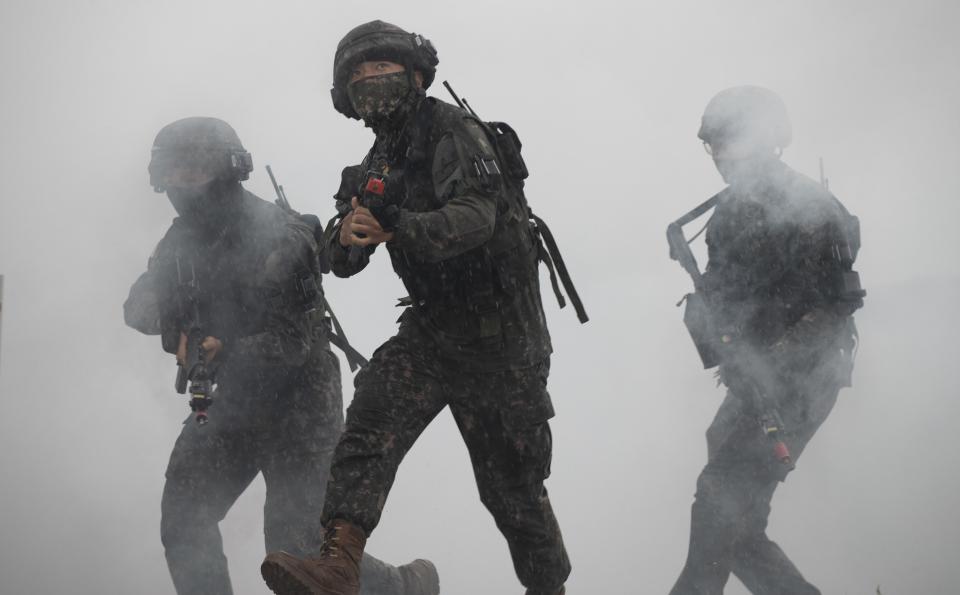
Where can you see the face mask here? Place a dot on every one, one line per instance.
(377, 98)
(204, 205)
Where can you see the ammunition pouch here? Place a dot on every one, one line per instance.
(308, 292)
(508, 146)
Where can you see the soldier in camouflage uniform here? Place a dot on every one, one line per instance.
(473, 338)
(278, 403)
(781, 294)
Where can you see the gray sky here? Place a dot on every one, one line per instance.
(607, 98)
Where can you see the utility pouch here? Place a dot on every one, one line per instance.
(508, 146)
(484, 305)
(850, 287)
(490, 325)
(847, 285)
(696, 317)
(308, 291)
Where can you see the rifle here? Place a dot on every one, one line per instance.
(374, 197)
(699, 322)
(309, 288)
(195, 370)
(696, 316)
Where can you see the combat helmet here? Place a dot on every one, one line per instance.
(749, 114)
(378, 40)
(211, 141)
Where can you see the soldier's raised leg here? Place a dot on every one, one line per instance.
(397, 395)
(305, 435)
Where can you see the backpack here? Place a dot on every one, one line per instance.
(506, 143)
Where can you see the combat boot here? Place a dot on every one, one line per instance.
(559, 591)
(336, 571)
(420, 578)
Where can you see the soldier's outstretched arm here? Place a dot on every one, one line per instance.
(142, 310)
(150, 307)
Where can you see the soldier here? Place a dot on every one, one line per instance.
(473, 336)
(253, 272)
(780, 293)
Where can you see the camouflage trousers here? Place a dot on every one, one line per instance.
(289, 438)
(732, 504)
(502, 417)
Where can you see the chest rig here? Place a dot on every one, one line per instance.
(467, 291)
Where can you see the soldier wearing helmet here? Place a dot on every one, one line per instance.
(745, 129)
(473, 336)
(277, 403)
(781, 293)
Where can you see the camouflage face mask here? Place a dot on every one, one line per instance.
(377, 98)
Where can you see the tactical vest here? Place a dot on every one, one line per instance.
(483, 277)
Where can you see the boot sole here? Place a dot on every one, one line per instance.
(281, 573)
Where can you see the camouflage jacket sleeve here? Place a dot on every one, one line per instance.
(470, 198)
(287, 331)
(149, 307)
(339, 256)
(142, 310)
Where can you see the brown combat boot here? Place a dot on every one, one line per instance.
(336, 571)
(559, 591)
(420, 578)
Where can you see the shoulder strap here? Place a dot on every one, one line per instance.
(339, 339)
(553, 257)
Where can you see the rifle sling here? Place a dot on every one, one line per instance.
(700, 209)
(544, 257)
(339, 339)
(690, 266)
(553, 254)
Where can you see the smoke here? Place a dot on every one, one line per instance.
(607, 98)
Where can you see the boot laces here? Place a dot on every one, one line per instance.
(331, 544)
